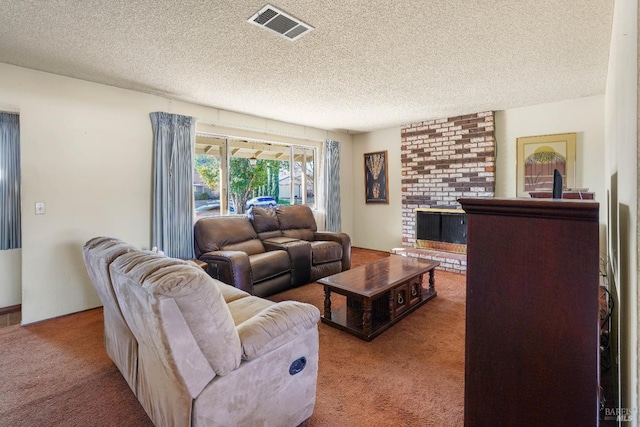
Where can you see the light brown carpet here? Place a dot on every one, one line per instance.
(56, 373)
(410, 375)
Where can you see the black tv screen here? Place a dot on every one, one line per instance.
(557, 184)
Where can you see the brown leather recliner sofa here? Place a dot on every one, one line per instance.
(270, 250)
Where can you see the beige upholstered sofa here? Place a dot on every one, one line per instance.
(197, 352)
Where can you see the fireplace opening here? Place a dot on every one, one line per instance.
(441, 229)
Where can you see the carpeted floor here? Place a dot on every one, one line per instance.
(410, 375)
(56, 373)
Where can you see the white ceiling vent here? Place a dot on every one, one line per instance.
(280, 22)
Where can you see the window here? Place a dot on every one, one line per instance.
(231, 175)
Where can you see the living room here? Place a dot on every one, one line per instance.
(87, 153)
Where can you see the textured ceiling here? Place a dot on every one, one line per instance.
(367, 64)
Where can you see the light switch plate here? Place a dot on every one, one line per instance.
(40, 208)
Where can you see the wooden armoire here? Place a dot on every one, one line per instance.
(532, 322)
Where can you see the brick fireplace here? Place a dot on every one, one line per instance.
(443, 160)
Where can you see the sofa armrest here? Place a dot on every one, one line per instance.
(275, 326)
(299, 253)
(343, 239)
(230, 267)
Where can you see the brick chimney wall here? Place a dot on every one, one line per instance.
(443, 160)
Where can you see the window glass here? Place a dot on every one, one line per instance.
(207, 176)
(232, 175)
(310, 171)
(254, 173)
(304, 176)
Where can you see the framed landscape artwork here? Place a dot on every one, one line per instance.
(376, 184)
(538, 156)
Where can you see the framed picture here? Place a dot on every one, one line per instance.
(376, 184)
(538, 156)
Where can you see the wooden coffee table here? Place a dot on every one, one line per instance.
(378, 294)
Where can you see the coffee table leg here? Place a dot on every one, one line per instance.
(366, 316)
(327, 302)
(432, 281)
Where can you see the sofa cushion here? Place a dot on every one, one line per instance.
(274, 326)
(245, 308)
(250, 247)
(265, 222)
(297, 221)
(225, 233)
(325, 251)
(204, 310)
(98, 254)
(269, 264)
(196, 295)
(299, 233)
(230, 293)
(130, 264)
(119, 341)
(319, 271)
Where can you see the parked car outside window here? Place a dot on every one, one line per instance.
(210, 209)
(262, 201)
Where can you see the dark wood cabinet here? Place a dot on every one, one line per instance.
(578, 195)
(532, 335)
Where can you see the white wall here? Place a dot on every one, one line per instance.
(585, 116)
(377, 226)
(621, 136)
(87, 153)
(380, 226)
(350, 216)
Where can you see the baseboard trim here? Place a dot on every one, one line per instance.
(10, 309)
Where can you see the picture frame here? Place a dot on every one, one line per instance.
(376, 177)
(538, 156)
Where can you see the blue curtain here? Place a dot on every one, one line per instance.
(331, 162)
(10, 223)
(174, 141)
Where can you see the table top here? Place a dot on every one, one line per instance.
(377, 277)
